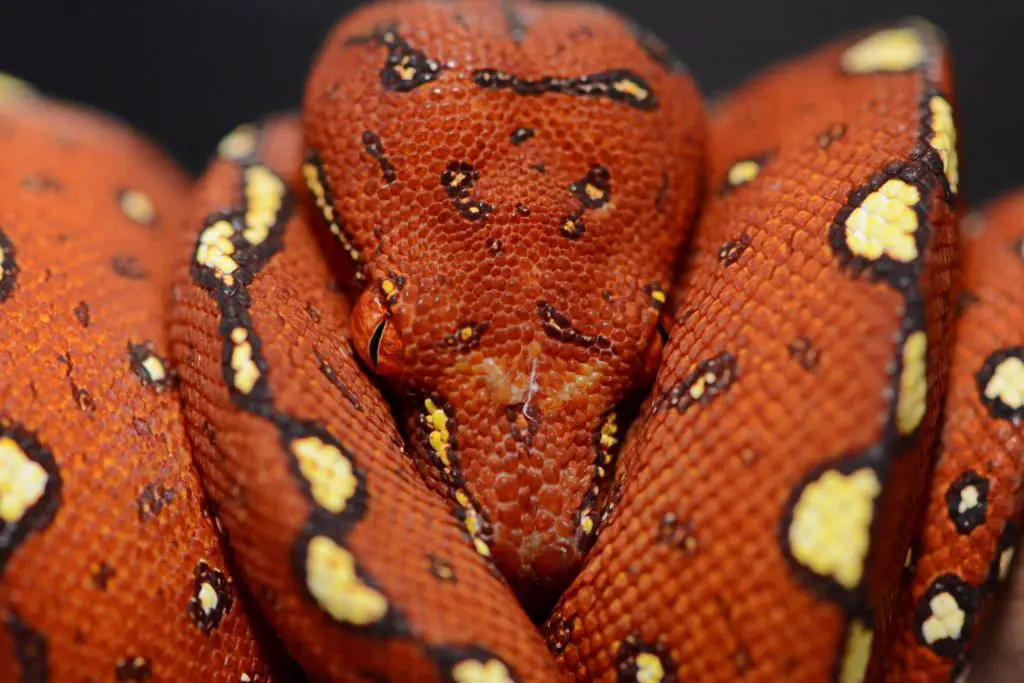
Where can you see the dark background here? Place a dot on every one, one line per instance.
(186, 71)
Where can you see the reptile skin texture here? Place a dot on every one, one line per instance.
(507, 360)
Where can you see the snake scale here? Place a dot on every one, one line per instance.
(510, 360)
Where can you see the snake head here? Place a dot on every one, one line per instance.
(513, 203)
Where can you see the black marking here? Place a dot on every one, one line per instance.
(521, 135)
(210, 584)
(82, 313)
(618, 85)
(988, 387)
(405, 68)
(731, 251)
(441, 569)
(40, 514)
(139, 354)
(834, 133)
(629, 670)
(594, 189)
(467, 337)
(458, 180)
(450, 660)
(133, 668)
(127, 266)
(42, 183)
(558, 632)
(573, 226)
(966, 516)
(374, 344)
(102, 576)
(316, 180)
(677, 533)
(374, 147)
(657, 295)
(539, 167)
(1003, 558)
(327, 371)
(523, 423)
(967, 598)
(523, 210)
(557, 326)
(708, 380)
(803, 352)
(152, 500)
(30, 649)
(495, 247)
(8, 268)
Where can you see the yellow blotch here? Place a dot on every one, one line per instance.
(1005, 563)
(246, 372)
(1007, 383)
(264, 192)
(658, 296)
(239, 143)
(586, 522)
(22, 481)
(215, 249)
(13, 88)
(649, 668)
(632, 88)
(437, 421)
(857, 655)
(472, 671)
(137, 206)
(946, 621)
(742, 172)
(155, 368)
(831, 528)
(608, 431)
(943, 139)
(332, 581)
(208, 598)
(912, 402)
(885, 223)
(894, 50)
(332, 482)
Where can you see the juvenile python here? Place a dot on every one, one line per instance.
(504, 191)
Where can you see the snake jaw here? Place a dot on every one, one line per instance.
(374, 335)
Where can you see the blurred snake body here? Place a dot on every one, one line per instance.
(505, 362)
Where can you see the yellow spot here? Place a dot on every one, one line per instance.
(649, 668)
(472, 523)
(658, 296)
(472, 671)
(438, 437)
(742, 172)
(239, 143)
(608, 431)
(332, 581)
(246, 372)
(215, 249)
(698, 388)
(208, 598)
(631, 88)
(593, 192)
(13, 88)
(831, 529)
(885, 223)
(244, 678)
(943, 139)
(466, 333)
(895, 49)
(946, 620)
(1007, 383)
(389, 289)
(154, 367)
(1005, 562)
(857, 655)
(332, 482)
(137, 206)
(264, 192)
(913, 384)
(22, 481)
(587, 522)
(969, 499)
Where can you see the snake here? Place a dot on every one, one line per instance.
(510, 358)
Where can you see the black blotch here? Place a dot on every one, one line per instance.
(730, 252)
(327, 371)
(971, 518)
(559, 327)
(677, 533)
(405, 68)
(447, 658)
(442, 569)
(523, 210)
(82, 313)
(995, 405)
(801, 350)
(138, 353)
(458, 180)
(594, 189)
(374, 147)
(631, 647)
(152, 500)
(967, 597)
(8, 268)
(558, 631)
(102, 576)
(523, 430)
(40, 515)
(618, 85)
(30, 649)
(128, 267)
(832, 134)
(521, 135)
(714, 375)
(208, 576)
(312, 312)
(495, 246)
(133, 668)
(539, 167)
(466, 336)
(41, 183)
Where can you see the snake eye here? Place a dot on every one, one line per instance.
(374, 336)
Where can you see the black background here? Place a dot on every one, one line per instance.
(186, 71)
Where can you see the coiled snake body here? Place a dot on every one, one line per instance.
(213, 468)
